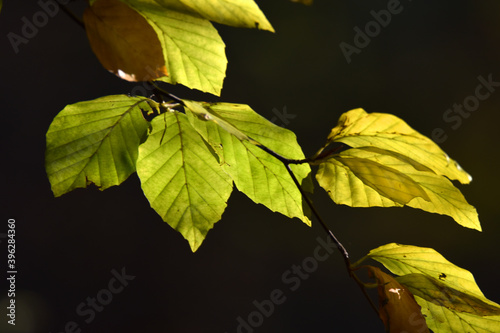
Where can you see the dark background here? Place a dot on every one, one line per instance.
(424, 61)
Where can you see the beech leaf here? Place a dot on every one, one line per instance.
(407, 259)
(357, 128)
(236, 13)
(96, 142)
(438, 292)
(192, 48)
(450, 299)
(235, 132)
(443, 320)
(370, 176)
(181, 177)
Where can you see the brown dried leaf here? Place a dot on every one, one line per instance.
(123, 41)
(397, 307)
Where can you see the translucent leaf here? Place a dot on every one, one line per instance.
(182, 178)
(438, 292)
(236, 13)
(387, 181)
(357, 128)
(95, 142)
(123, 41)
(397, 307)
(443, 320)
(192, 48)
(370, 176)
(233, 130)
(407, 259)
(204, 112)
(466, 310)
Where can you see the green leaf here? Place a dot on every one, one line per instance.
(204, 112)
(452, 315)
(236, 13)
(182, 178)
(123, 41)
(235, 131)
(95, 142)
(369, 176)
(357, 128)
(193, 50)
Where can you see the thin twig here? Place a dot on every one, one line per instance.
(73, 16)
(341, 248)
(287, 163)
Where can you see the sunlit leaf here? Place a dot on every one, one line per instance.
(182, 178)
(95, 142)
(123, 41)
(236, 13)
(205, 113)
(443, 320)
(438, 292)
(357, 128)
(397, 307)
(466, 310)
(387, 181)
(192, 48)
(370, 176)
(407, 259)
(233, 131)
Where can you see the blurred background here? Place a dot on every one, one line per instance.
(427, 59)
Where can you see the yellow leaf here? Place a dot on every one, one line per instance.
(358, 128)
(387, 181)
(443, 320)
(438, 292)
(451, 300)
(369, 176)
(407, 259)
(236, 13)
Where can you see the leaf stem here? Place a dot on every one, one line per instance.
(161, 91)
